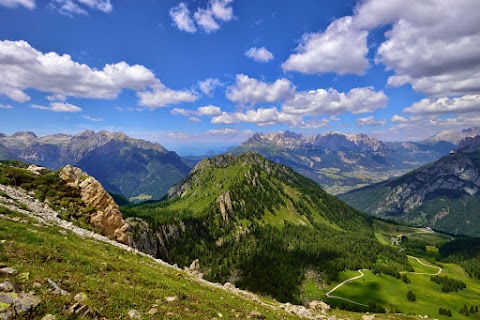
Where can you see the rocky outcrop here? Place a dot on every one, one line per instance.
(225, 204)
(36, 170)
(107, 216)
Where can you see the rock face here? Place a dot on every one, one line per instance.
(107, 216)
(469, 144)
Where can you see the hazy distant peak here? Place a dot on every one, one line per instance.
(24, 134)
(451, 136)
(469, 144)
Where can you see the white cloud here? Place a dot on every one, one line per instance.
(79, 7)
(312, 124)
(201, 111)
(259, 54)
(204, 18)
(29, 4)
(58, 107)
(5, 106)
(181, 16)
(194, 119)
(23, 67)
(331, 102)
(161, 96)
(208, 18)
(261, 117)
(464, 104)
(370, 121)
(432, 45)
(399, 119)
(419, 127)
(340, 49)
(209, 110)
(209, 85)
(251, 91)
(92, 119)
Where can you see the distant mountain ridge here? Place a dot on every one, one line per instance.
(453, 137)
(339, 161)
(124, 165)
(444, 194)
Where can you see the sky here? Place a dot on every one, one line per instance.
(206, 74)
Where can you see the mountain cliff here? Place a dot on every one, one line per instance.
(124, 165)
(443, 195)
(341, 162)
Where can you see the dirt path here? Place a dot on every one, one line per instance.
(341, 284)
(425, 265)
(329, 294)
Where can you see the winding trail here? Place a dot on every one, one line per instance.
(425, 265)
(329, 293)
(341, 284)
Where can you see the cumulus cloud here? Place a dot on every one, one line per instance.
(399, 119)
(370, 121)
(182, 18)
(209, 110)
(464, 104)
(251, 91)
(23, 67)
(261, 117)
(5, 106)
(161, 96)
(208, 19)
(58, 107)
(432, 45)
(29, 4)
(201, 111)
(207, 86)
(79, 7)
(332, 102)
(341, 49)
(259, 54)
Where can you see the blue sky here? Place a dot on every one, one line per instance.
(207, 74)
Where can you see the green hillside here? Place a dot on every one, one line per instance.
(262, 226)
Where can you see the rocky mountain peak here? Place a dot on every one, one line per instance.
(469, 144)
(349, 142)
(24, 134)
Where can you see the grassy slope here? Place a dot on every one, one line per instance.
(391, 293)
(115, 281)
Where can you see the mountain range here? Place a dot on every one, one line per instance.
(127, 166)
(341, 162)
(443, 195)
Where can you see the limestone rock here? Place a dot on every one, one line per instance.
(7, 270)
(49, 316)
(319, 306)
(36, 170)
(13, 303)
(195, 266)
(225, 203)
(6, 286)
(134, 314)
(107, 216)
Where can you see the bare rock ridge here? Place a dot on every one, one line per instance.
(469, 144)
(107, 216)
